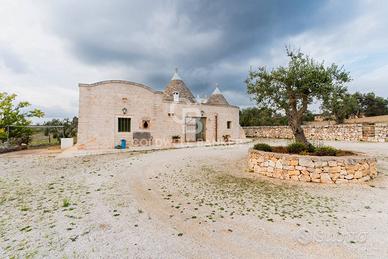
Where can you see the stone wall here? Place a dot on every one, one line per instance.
(312, 168)
(269, 132)
(381, 132)
(4, 148)
(343, 132)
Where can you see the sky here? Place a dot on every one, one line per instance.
(48, 47)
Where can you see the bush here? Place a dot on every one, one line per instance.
(296, 148)
(325, 151)
(300, 149)
(311, 148)
(263, 147)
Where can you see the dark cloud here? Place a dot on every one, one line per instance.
(198, 36)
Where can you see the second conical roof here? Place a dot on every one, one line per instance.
(217, 98)
(177, 85)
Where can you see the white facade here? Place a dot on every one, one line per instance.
(108, 107)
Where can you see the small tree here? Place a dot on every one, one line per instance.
(55, 132)
(69, 128)
(293, 88)
(261, 117)
(374, 105)
(16, 114)
(340, 104)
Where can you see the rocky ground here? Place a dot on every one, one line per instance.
(197, 202)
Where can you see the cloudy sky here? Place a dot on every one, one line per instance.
(48, 47)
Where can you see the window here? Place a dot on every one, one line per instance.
(228, 124)
(176, 96)
(145, 124)
(124, 125)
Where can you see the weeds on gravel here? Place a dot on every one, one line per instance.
(221, 194)
(24, 208)
(66, 203)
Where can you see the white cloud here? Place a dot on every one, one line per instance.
(359, 44)
(43, 48)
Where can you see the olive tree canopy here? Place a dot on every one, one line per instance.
(294, 87)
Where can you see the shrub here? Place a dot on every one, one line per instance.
(311, 148)
(296, 148)
(325, 151)
(263, 147)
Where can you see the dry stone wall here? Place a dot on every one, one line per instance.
(346, 169)
(381, 132)
(343, 132)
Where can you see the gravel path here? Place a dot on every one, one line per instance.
(197, 202)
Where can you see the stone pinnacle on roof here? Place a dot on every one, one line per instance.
(217, 91)
(176, 75)
(198, 99)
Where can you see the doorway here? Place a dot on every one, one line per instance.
(200, 129)
(195, 129)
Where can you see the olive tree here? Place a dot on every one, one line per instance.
(340, 105)
(292, 88)
(68, 130)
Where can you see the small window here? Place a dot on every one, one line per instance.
(228, 124)
(176, 96)
(124, 125)
(145, 124)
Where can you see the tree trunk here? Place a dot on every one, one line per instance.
(297, 130)
(295, 118)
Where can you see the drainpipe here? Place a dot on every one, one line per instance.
(185, 128)
(216, 125)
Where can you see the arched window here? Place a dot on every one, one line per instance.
(145, 124)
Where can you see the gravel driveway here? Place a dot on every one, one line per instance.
(196, 202)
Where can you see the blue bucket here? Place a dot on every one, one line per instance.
(123, 144)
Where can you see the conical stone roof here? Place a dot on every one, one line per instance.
(217, 98)
(177, 85)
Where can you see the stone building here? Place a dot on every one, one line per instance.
(110, 111)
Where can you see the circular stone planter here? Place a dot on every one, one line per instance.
(317, 169)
